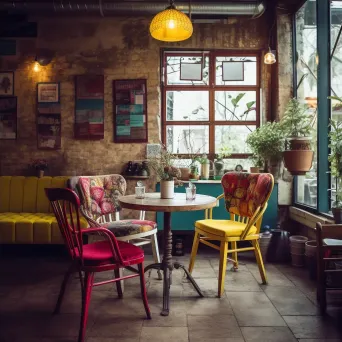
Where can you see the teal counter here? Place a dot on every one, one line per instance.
(184, 221)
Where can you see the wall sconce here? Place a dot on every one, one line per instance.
(42, 59)
(270, 57)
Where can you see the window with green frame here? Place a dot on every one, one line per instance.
(318, 69)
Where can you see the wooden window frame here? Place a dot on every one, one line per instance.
(211, 88)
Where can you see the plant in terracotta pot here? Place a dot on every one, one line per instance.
(266, 144)
(40, 165)
(163, 166)
(335, 159)
(296, 125)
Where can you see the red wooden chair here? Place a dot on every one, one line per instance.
(95, 257)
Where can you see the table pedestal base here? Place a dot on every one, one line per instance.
(167, 281)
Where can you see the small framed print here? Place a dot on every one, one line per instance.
(48, 92)
(6, 83)
(233, 71)
(191, 71)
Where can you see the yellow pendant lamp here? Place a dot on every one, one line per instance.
(171, 25)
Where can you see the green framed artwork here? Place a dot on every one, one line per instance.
(130, 111)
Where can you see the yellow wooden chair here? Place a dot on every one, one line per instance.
(246, 196)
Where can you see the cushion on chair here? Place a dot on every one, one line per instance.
(129, 227)
(245, 192)
(225, 228)
(100, 194)
(101, 252)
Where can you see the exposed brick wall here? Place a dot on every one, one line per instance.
(118, 48)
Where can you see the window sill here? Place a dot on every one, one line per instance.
(307, 218)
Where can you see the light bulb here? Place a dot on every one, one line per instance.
(36, 67)
(269, 58)
(171, 24)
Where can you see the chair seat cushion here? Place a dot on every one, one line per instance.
(130, 227)
(225, 228)
(99, 253)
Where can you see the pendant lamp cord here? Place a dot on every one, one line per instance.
(190, 9)
(269, 37)
(101, 9)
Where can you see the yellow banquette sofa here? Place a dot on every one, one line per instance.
(25, 213)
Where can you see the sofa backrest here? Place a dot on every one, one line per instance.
(26, 194)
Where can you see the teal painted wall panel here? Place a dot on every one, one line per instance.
(185, 220)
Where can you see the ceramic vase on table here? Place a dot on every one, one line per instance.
(167, 189)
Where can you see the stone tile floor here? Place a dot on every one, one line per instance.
(285, 310)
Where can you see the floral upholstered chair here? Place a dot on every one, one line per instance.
(101, 207)
(245, 196)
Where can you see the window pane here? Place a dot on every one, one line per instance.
(187, 139)
(235, 105)
(306, 44)
(187, 105)
(233, 137)
(249, 66)
(230, 164)
(173, 66)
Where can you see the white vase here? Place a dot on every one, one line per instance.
(167, 189)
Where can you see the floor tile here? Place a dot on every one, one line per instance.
(290, 301)
(175, 319)
(319, 340)
(312, 327)
(204, 327)
(208, 306)
(274, 276)
(268, 334)
(254, 309)
(117, 327)
(239, 281)
(164, 334)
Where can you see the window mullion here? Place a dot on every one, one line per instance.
(323, 103)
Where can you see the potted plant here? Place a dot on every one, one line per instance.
(223, 152)
(167, 173)
(40, 165)
(266, 144)
(335, 159)
(296, 125)
(257, 162)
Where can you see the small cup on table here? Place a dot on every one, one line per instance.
(139, 192)
(190, 193)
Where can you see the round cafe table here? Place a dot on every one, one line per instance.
(153, 202)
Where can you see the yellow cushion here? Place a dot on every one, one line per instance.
(30, 195)
(28, 228)
(5, 185)
(43, 203)
(17, 194)
(225, 228)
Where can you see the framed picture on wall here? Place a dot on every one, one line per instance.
(8, 118)
(6, 83)
(48, 92)
(89, 107)
(130, 111)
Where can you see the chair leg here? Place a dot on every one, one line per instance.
(235, 256)
(118, 283)
(63, 287)
(155, 252)
(259, 260)
(143, 290)
(86, 294)
(222, 268)
(194, 251)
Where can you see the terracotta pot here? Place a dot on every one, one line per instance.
(167, 189)
(41, 173)
(337, 212)
(255, 169)
(300, 143)
(298, 162)
(184, 173)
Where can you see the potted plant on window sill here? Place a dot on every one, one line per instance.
(166, 172)
(296, 125)
(335, 159)
(224, 152)
(266, 144)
